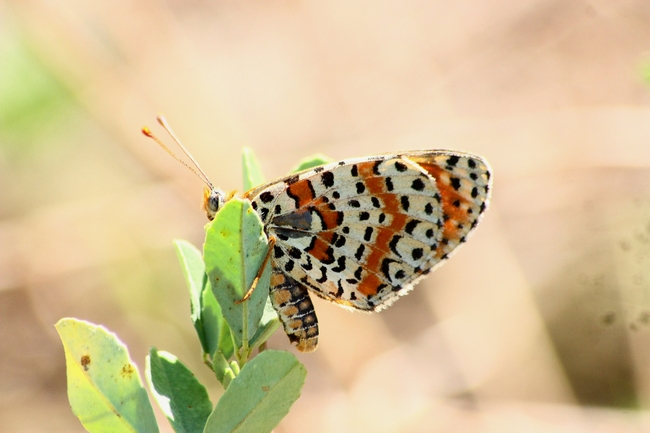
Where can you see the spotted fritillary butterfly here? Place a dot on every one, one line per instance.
(362, 232)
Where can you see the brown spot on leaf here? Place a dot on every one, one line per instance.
(127, 370)
(85, 362)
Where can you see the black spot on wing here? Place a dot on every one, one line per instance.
(329, 259)
(294, 197)
(393, 244)
(385, 267)
(266, 197)
(417, 184)
(340, 265)
(327, 178)
(359, 253)
(311, 188)
(375, 167)
(411, 225)
(404, 200)
(323, 277)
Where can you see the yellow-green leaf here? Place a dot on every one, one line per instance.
(104, 387)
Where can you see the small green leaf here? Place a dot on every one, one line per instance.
(222, 369)
(209, 323)
(260, 396)
(104, 386)
(194, 271)
(311, 162)
(268, 325)
(252, 170)
(234, 250)
(217, 332)
(183, 400)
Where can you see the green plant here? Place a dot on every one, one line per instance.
(105, 389)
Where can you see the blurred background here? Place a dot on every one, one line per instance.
(541, 323)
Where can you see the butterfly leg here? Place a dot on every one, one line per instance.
(296, 311)
(260, 271)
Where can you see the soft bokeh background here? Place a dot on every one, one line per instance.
(540, 324)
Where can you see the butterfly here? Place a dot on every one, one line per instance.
(362, 232)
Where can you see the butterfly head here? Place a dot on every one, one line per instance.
(213, 200)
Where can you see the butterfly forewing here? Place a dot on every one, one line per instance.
(361, 232)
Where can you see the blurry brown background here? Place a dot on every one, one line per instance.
(540, 324)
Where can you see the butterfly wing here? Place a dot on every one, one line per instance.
(361, 232)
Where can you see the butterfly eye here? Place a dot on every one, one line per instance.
(212, 202)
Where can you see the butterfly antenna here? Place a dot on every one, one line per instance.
(196, 169)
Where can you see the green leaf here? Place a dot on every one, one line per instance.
(268, 325)
(194, 271)
(234, 250)
(209, 323)
(260, 396)
(104, 386)
(311, 162)
(217, 331)
(252, 170)
(222, 369)
(183, 400)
